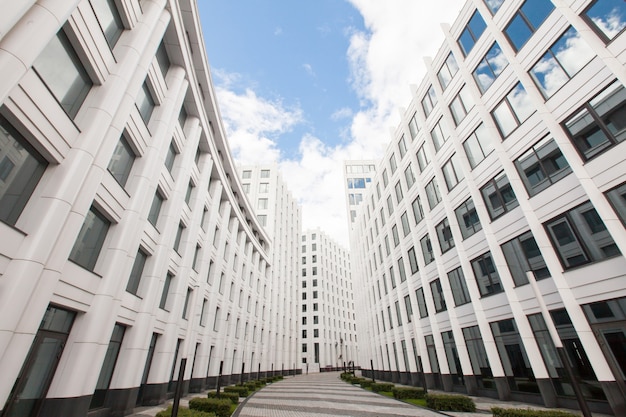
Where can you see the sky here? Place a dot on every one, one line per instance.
(308, 84)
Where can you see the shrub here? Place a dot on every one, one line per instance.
(251, 386)
(220, 407)
(445, 402)
(184, 412)
(518, 412)
(382, 387)
(241, 391)
(403, 393)
(356, 380)
(232, 396)
(366, 383)
(346, 376)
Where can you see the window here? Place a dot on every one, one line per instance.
(265, 173)
(179, 235)
(399, 194)
(607, 17)
(190, 188)
(601, 123)
(304, 333)
(422, 159)
(264, 188)
(438, 298)
(182, 117)
(21, 169)
(471, 33)
(186, 305)
(145, 103)
(401, 270)
(579, 236)
(394, 232)
(402, 147)
(617, 198)
(398, 313)
(164, 62)
(444, 234)
(526, 21)
(245, 187)
(477, 146)
(90, 239)
(429, 101)
(390, 205)
(490, 67)
(108, 367)
(413, 127)
(166, 291)
(392, 163)
(170, 157)
(427, 249)
(541, 166)
(459, 289)
(246, 175)
(409, 177)
(469, 223)
(135, 274)
(486, 275)
(409, 308)
(385, 178)
(522, 254)
(413, 260)
(439, 134)
(511, 349)
(262, 219)
(196, 258)
(204, 312)
(513, 110)
(568, 55)
(421, 302)
(155, 208)
(109, 19)
(406, 228)
(122, 161)
(65, 76)
(418, 211)
(452, 172)
(461, 105)
(432, 193)
(447, 71)
(316, 333)
(499, 196)
(494, 5)
(262, 203)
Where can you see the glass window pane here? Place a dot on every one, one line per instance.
(90, 239)
(121, 161)
(145, 103)
(609, 16)
(109, 19)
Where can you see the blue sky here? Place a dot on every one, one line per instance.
(307, 84)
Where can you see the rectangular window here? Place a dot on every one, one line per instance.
(494, 6)
(427, 249)
(541, 166)
(522, 254)
(166, 290)
(109, 20)
(396, 238)
(486, 275)
(409, 177)
(204, 312)
(179, 235)
(108, 367)
(406, 228)
(402, 147)
(429, 101)
(401, 270)
(122, 161)
(421, 302)
(606, 17)
(90, 239)
(600, 124)
(478, 356)
(444, 234)
(439, 134)
(398, 313)
(390, 317)
(413, 127)
(556, 67)
(409, 308)
(389, 205)
(492, 65)
(513, 110)
(452, 356)
(21, 169)
(164, 61)
(263, 203)
(418, 211)
(246, 175)
(265, 173)
(182, 118)
(190, 188)
(477, 146)
(432, 193)
(438, 298)
(499, 196)
(447, 71)
(196, 258)
(452, 172)
(170, 157)
(461, 105)
(422, 159)
(65, 76)
(392, 163)
(526, 21)
(264, 188)
(459, 289)
(413, 260)
(466, 214)
(135, 274)
(580, 237)
(145, 103)
(186, 306)
(399, 194)
(617, 198)
(155, 208)
(470, 35)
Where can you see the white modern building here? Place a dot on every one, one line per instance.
(127, 247)
(494, 230)
(357, 176)
(328, 314)
(280, 215)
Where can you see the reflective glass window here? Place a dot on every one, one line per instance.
(429, 101)
(608, 17)
(526, 21)
(471, 33)
(487, 275)
(466, 214)
(541, 166)
(478, 145)
(513, 110)
(490, 67)
(461, 105)
(90, 239)
(447, 71)
(522, 255)
(499, 196)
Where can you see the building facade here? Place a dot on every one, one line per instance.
(127, 247)
(358, 176)
(280, 215)
(328, 319)
(494, 230)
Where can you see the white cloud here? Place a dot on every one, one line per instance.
(278, 31)
(309, 70)
(342, 113)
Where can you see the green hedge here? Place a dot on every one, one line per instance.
(220, 407)
(184, 412)
(241, 391)
(346, 376)
(445, 402)
(518, 412)
(232, 396)
(251, 386)
(403, 393)
(357, 380)
(382, 387)
(366, 383)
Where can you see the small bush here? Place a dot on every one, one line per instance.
(346, 376)
(241, 391)
(357, 380)
(382, 387)
(184, 412)
(232, 396)
(518, 412)
(220, 407)
(251, 386)
(366, 383)
(403, 393)
(445, 402)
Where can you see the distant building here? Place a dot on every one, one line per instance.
(358, 176)
(508, 168)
